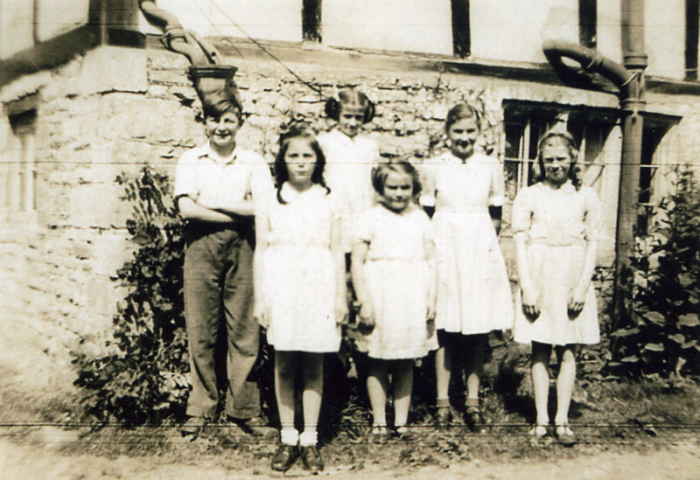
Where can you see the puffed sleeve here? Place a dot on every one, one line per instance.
(522, 213)
(592, 214)
(427, 173)
(363, 228)
(497, 191)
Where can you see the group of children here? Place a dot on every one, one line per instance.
(421, 283)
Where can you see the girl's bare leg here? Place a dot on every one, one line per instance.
(540, 379)
(377, 387)
(403, 385)
(284, 392)
(474, 366)
(311, 396)
(443, 372)
(565, 382)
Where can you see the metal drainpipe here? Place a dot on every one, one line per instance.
(211, 80)
(629, 79)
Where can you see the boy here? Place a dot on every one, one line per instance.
(215, 186)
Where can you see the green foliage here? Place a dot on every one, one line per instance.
(658, 331)
(144, 377)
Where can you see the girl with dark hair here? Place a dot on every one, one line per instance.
(466, 188)
(300, 291)
(351, 155)
(393, 272)
(556, 227)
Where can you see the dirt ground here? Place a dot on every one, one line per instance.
(50, 452)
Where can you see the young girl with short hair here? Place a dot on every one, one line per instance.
(466, 189)
(393, 272)
(556, 227)
(300, 295)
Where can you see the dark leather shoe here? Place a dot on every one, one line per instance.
(193, 426)
(311, 459)
(284, 458)
(475, 420)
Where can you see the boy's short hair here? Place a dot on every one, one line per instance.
(217, 106)
(381, 171)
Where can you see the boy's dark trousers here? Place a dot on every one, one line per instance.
(218, 287)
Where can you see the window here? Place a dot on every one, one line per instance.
(588, 19)
(692, 22)
(461, 34)
(18, 166)
(526, 122)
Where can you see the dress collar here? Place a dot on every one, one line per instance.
(289, 193)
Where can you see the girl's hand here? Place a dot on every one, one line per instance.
(430, 326)
(341, 311)
(576, 301)
(530, 307)
(261, 315)
(366, 323)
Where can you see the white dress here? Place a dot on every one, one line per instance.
(396, 275)
(348, 173)
(474, 294)
(299, 284)
(557, 223)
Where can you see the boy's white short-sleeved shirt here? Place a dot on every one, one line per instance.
(215, 182)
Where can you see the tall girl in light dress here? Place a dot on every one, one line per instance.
(300, 295)
(466, 189)
(350, 156)
(393, 271)
(556, 223)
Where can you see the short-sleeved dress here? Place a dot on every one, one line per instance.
(348, 173)
(396, 274)
(557, 224)
(474, 294)
(299, 284)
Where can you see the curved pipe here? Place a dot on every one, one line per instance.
(177, 39)
(592, 61)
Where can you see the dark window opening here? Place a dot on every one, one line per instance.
(692, 31)
(650, 140)
(461, 35)
(311, 20)
(588, 19)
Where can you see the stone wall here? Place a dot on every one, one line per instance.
(115, 110)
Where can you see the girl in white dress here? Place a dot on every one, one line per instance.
(556, 225)
(393, 271)
(300, 292)
(350, 156)
(466, 188)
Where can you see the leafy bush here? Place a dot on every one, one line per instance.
(144, 377)
(658, 330)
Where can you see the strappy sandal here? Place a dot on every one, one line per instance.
(538, 431)
(565, 435)
(402, 432)
(379, 432)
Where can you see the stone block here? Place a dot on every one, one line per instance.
(136, 117)
(114, 69)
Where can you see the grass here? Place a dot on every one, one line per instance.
(607, 416)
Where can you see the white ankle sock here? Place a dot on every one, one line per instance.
(289, 436)
(308, 438)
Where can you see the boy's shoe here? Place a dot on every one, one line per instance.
(193, 426)
(284, 458)
(311, 459)
(255, 426)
